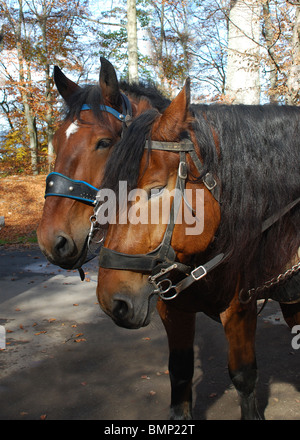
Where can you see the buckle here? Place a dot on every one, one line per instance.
(209, 181)
(182, 170)
(201, 275)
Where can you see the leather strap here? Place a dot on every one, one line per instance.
(62, 186)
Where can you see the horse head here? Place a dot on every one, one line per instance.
(169, 216)
(94, 122)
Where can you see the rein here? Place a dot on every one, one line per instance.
(58, 184)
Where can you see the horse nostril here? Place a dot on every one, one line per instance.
(120, 310)
(64, 246)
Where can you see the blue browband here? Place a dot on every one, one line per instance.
(107, 109)
(126, 106)
(62, 186)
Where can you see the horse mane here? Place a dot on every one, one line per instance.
(92, 96)
(257, 166)
(125, 158)
(146, 90)
(259, 172)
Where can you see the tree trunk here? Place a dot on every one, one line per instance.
(243, 84)
(49, 104)
(293, 82)
(132, 41)
(268, 33)
(33, 139)
(25, 94)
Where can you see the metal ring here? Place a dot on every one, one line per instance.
(167, 298)
(160, 283)
(161, 291)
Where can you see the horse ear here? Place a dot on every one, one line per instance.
(109, 83)
(64, 85)
(175, 118)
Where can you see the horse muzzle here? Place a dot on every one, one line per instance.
(129, 310)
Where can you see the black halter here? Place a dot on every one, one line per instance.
(162, 260)
(58, 184)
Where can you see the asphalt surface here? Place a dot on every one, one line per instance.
(65, 360)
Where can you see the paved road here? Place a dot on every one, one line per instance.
(65, 360)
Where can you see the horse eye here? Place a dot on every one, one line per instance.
(103, 143)
(156, 192)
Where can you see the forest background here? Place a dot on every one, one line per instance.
(233, 51)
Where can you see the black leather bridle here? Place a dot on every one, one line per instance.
(162, 260)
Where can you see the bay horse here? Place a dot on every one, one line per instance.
(95, 118)
(244, 162)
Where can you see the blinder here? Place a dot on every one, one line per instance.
(59, 185)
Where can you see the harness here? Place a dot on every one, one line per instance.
(58, 184)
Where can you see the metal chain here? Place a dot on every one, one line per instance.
(281, 278)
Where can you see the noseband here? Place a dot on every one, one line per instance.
(60, 185)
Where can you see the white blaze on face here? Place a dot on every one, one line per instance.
(72, 129)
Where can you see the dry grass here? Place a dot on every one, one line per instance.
(21, 204)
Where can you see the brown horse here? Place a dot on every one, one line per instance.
(241, 163)
(65, 224)
(95, 120)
